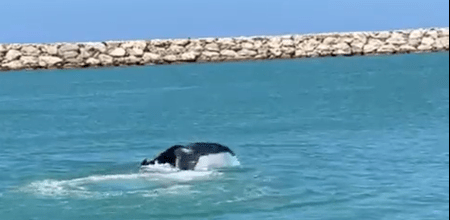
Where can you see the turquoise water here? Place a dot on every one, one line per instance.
(335, 138)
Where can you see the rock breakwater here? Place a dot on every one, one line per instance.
(154, 52)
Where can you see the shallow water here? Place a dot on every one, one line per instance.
(335, 138)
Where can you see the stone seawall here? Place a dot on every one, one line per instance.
(153, 52)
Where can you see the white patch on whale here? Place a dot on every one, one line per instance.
(186, 150)
(213, 161)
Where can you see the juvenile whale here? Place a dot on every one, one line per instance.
(195, 156)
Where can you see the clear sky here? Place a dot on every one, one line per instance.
(30, 21)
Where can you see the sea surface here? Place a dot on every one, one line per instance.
(334, 138)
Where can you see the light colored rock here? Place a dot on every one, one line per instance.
(236, 47)
(135, 51)
(248, 46)
(288, 51)
(170, 58)
(68, 47)
(189, 57)
(29, 60)
(346, 40)
(50, 60)
(117, 52)
(92, 62)
(105, 59)
(442, 43)
(212, 47)
(13, 65)
(12, 55)
(372, 46)
(247, 53)
(414, 42)
(330, 41)
(342, 49)
(425, 47)
(288, 36)
(324, 49)
(132, 60)
(210, 54)
(443, 33)
(357, 47)
(110, 45)
(226, 43)
(75, 62)
(433, 34)
(274, 40)
(13, 47)
(196, 48)
(299, 53)
(158, 50)
(134, 44)
(416, 34)
(407, 49)
(181, 42)
(313, 54)
(208, 40)
(382, 35)
(298, 39)
(388, 48)
(69, 54)
(30, 51)
(228, 53)
(258, 44)
(263, 50)
(276, 52)
(85, 54)
(160, 43)
(151, 57)
(99, 47)
(258, 57)
(285, 56)
(429, 41)
(397, 39)
(311, 45)
(274, 44)
(175, 49)
(287, 43)
(51, 49)
(360, 38)
(3, 49)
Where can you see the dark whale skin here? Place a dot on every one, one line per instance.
(186, 157)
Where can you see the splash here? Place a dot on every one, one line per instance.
(145, 181)
(100, 186)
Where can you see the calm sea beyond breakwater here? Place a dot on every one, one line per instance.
(156, 52)
(323, 138)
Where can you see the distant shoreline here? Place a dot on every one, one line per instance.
(175, 51)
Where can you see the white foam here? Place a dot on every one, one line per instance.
(159, 168)
(213, 161)
(158, 173)
(173, 190)
(80, 187)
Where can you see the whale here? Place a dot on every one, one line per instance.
(195, 156)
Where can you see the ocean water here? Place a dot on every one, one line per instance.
(334, 138)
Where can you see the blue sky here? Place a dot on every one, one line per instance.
(29, 21)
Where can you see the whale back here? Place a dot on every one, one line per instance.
(203, 148)
(167, 156)
(187, 157)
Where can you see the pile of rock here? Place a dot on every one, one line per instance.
(80, 55)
